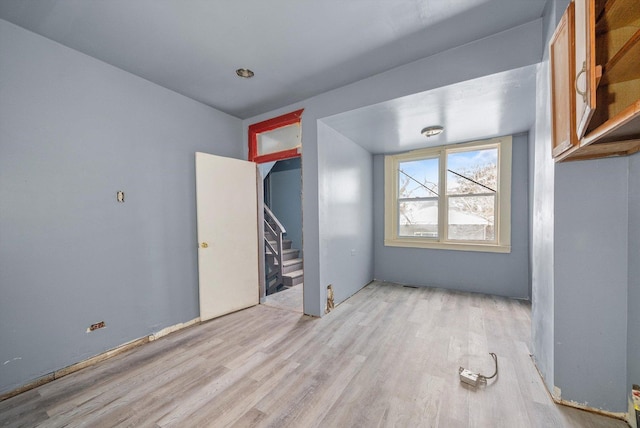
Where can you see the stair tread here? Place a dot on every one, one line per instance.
(285, 251)
(287, 263)
(294, 274)
(286, 244)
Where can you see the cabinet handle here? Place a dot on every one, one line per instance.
(583, 93)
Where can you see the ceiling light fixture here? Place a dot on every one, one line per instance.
(430, 131)
(244, 72)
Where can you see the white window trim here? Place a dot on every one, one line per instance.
(503, 218)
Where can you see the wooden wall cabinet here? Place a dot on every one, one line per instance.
(595, 80)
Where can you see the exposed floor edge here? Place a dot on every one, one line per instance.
(24, 388)
(621, 416)
(448, 288)
(100, 357)
(96, 359)
(631, 416)
(558, 400)
(173, 328)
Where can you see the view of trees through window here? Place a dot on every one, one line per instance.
(418, 198)
(470, 191)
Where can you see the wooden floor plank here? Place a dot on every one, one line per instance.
(388, 356)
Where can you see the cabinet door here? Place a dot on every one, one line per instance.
(584, 82)
(563, 112)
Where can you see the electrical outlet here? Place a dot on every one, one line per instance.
(468, 377)
(96, 326)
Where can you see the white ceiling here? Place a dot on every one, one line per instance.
(297, 48)
(490, 106)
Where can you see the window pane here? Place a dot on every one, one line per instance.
(418, 179)
(472, 172)
(418, 218)
(471, 218)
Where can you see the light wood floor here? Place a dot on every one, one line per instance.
(388, 356)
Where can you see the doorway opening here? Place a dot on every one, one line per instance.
(275, 145)
(284, 274)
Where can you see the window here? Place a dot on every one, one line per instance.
(276, 139)
(454, 197)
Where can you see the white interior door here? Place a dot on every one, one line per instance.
(226, 197)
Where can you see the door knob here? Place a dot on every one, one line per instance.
(204, 245)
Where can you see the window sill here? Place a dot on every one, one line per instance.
(427, 243)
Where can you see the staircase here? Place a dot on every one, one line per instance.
(283, 263)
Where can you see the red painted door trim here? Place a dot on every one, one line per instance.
(270, 125)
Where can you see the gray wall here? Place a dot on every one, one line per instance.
(346, 203)
(542, 169)
(530, 183)
(480, 58)
(584, 266)
(491, 273)
(73, 131)
(285, 184)
(633, 311)
(591, 273)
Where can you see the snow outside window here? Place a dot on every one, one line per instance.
(451, 197)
